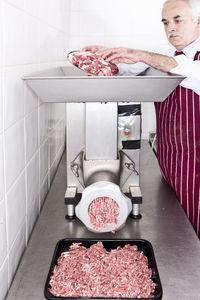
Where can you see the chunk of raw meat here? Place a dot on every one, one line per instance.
(93, 64)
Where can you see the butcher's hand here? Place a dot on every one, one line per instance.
(120, 55)
(94, 48)
(132, 56)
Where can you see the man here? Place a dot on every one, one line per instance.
(178, 117)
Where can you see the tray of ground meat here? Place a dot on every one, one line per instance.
(103, 269)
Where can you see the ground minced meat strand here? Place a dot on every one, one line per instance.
(103, 211)
(95, 272)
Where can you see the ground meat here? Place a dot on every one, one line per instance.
(103, 211)
(93, 64)
(95, 272)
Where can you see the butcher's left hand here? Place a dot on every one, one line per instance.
(119, 55)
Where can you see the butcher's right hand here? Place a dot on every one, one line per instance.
(93, 48)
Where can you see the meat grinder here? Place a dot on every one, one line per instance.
(103, 132)
(103, 147)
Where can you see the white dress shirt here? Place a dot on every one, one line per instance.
(186, 66)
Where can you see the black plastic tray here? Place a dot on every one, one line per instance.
(143, 246)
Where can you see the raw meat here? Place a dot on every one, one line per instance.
(95, 272)
(103, 211)
(93, 63)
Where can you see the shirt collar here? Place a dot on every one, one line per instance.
(191, 49)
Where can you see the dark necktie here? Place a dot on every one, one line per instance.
(178, 53)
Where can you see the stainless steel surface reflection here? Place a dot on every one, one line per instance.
(163, 223)
(70, 84)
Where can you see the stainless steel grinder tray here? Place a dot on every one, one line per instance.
(69, 84)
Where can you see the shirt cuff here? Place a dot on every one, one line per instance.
(182, 68)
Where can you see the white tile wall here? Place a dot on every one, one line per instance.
(44, 120)
(1, 100)
(44, 186)
(32, 100)
(32, 215)
(4, 278)
(3, 232)
(33, 180)
(34, 35)
(44, 160)
(31, 134)
(2, 180)
(16, 251)
(14, 152)
(16, 208)
(13, 89)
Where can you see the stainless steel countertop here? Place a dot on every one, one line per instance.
(164, 224)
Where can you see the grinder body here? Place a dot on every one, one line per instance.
(103, 146)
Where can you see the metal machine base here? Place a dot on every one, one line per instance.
(136, 197)
(71, 200)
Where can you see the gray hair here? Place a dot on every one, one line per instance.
(193, 4)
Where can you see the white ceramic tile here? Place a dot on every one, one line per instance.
(55, 16)
(31, 134)
(91, 5)
(4, 280)
(44, 187)
(59, 155)
(3, 233)
(129, 5)
(61, 47)
(74, 23)
(13, 34)
(14, 152)
(1, 35)
(58, 111)
(43, 121)
(1, 100)
(31, 48)
(47, 15)
(75, 5)
(65, 9)
(92, 24)
(115, 41)
(2, 186)
(32, 7)
(55, 164)
(33, 180)
(13, 96)
(44, 160)
(52, 117)
(60, 129)
(16, 208)
(91, 40)
(18, 27)
(52, 146)
(123, 24)
(16, 251)
(32, 215)
(30, 98)
(74, 43)
(52, 43)
(53, 169)
(17, 3)
(47, 43)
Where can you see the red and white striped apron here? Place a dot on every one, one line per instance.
(178, 151)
